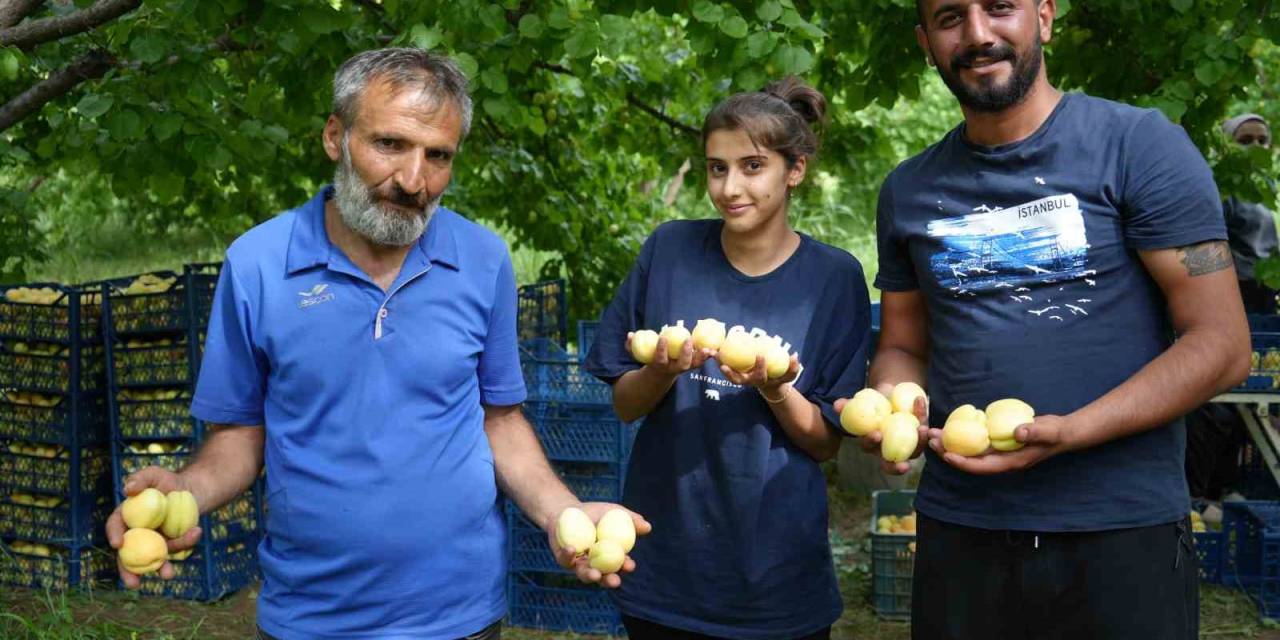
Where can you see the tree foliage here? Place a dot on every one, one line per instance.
(207, 113)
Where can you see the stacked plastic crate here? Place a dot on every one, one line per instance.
(573, 416)
(155, 327)
(54, 463)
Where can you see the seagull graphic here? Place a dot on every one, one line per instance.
(1077, 310)
(1058, 318)
(1025, 298)
(1022, 289)
(1089, 282)
(1091, 272)
(983, 207)
(1003, 285)
(1039, 312)
(1035, 269)
(959, 273)
(1039, 180)
(1084, 300)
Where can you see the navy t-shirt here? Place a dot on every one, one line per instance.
(739, 546)
(1027, 258)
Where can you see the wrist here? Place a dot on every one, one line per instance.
(775, 394)
(554, 508)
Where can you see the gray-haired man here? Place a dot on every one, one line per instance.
(363, 346)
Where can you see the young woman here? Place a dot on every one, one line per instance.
(725, 464)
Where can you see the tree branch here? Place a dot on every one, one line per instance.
(13, 11)
(380, 13)
(87, 67)
(553, 67)
(29, 34)
(671, 122)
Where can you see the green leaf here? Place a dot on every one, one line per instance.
(792, 59)
(146, 48)
(125, 124)
(424, 37)
(734, 27)
(320, 20)
(494, 79)
(1064, 7)
(750, 78)
(761, 44)
(614, 27)
(8, 65)
(497, 108)
(1182, 6)
(91, 106)
(276, 133)
(582, 42)
(1208, 72)
(164, 125)
(167, 186)
(707, 11)
(466, 63)
(770, 11)
(532, 26)
(559, 18)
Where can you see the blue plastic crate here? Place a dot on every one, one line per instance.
(591, 481)
(153, 414)
(563, 382)
(558, 602)
(63, 569)
(23, 470)
(1209, 552)
(239, 519)
(575, 432)
(527, 548)
(49, 367)
(586, 337)
(152, 361)
(1251, 535)
(1264, 372)
(893, 557)
(80, 523)
(67, 421)
(69, 315)
(139, 313)
(211, 572)
(202, 279)
(541, 311)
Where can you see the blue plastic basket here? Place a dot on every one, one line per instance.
(61, 373)
(158, 362)
(563, 382)
(80, 419)
(1209, 552)
(591, 481)
(89, 472)
(527, 548)
(1264, 372)
(1251, 535)
(211, 572)
(541, 311)
(134, 314)
(66, 568)
(202, 278)
(578, 433)
(153, 414)
(73, 317)
(558, 602)
(586, 337)
(893, 557)
(80, 523)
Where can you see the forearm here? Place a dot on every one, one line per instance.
(892, 365)
(1197, 367)
(802, 421)
(523, 471)
(225, 466)
(637, 392)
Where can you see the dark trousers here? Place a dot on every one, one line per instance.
(971, 583)
(638, 629)
(491, 632)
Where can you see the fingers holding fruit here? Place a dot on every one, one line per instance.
(671, 352)
(893, 426)
(594, 541)
(151, 527)
(1007, 436)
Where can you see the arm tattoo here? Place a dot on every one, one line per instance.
(1206, 257)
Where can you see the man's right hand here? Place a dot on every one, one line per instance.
(165, 481)
(870, 443)
(664, 364)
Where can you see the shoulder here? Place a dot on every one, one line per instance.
(683, 230)
(1117, 118)
(468, 234)
(833, 260)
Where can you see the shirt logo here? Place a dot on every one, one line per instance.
(314, 297)
(712, 394)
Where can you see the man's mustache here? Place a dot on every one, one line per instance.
(996, 53)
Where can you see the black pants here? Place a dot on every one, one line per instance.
(1004, 585)
(638, 629)
(491, 632)
(1215, 434)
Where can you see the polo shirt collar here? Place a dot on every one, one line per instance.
(309, 244)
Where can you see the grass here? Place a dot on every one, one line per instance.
(117, 615)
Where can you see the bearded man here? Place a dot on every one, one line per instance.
(1049, 249)
(363, 346)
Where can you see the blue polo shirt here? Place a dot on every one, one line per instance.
(383, 510)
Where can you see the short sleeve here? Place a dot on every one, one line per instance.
(233, 370)
(608, 358)
(1169, 196)
(846, 342)
(895, 270)
(501, 380)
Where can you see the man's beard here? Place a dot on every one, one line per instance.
(360, 209)
(991, 97)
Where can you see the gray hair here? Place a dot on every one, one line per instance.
(434, 76)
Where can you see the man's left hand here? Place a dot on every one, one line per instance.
(576, 559)
(1044, 438)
